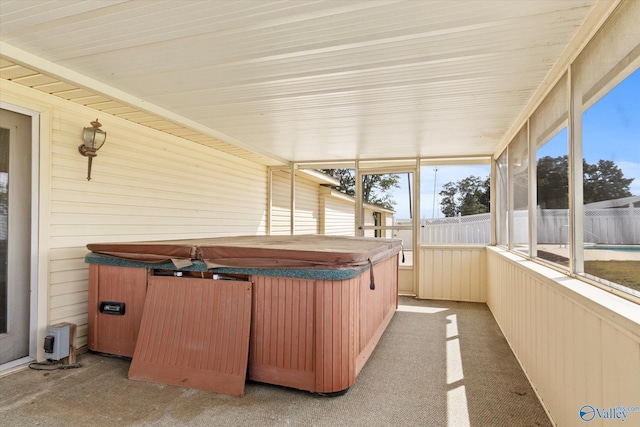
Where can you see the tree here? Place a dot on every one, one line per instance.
(553, 182)
(603, 180)
(347, 180)
(468, 196)
(376, 188)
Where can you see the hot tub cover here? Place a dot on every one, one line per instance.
(303, 251)
(154, 252)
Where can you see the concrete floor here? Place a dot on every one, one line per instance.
(438, 364)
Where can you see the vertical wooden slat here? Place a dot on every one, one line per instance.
(268, 336)
(338, 328)
(309, 343)
(92, 331)
(287, 326)
(225, 339)
(347, 351)
(281, 309)
(324, 325)
(295, 327)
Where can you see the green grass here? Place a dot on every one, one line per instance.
(625, 273)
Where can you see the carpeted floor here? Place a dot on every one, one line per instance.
(438, 364)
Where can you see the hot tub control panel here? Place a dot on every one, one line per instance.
(112, 307)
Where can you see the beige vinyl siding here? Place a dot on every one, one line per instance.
(307, 204)
(146, 185)
(455, 273)
(337, 213)
(280, 203)
(68, 289)
(579, 345)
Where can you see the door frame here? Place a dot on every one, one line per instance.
(35, 249)
(415, 224)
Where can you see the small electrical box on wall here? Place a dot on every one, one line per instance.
(57, 341)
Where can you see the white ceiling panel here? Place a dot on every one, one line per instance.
(314, 80)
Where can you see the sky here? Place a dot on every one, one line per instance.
(429, 176)
(611, 131)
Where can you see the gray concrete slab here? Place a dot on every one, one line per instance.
(438, 364)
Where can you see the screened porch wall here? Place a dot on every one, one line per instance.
(453, 273)
(578, 345)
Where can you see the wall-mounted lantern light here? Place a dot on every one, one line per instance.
(93, 137)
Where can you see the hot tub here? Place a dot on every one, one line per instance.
(298, 311)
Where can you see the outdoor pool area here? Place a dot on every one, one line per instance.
(593, 252)
(617, 248)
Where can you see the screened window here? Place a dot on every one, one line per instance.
(552, 200)
(611, 186)
(583, 144)
(502, 205)
(455, 204)
(550, 145)
(519, 191)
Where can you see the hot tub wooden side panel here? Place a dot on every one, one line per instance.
(316, 335)
(376, 308)
(195, 333)
(109, 333)
(281, 347)
(303, 333)
(336, 334)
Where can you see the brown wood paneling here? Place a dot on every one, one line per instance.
(376, 308)
(282, 346)
(317, 335)
(115, 334)
(335, 335)
(195, 333)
